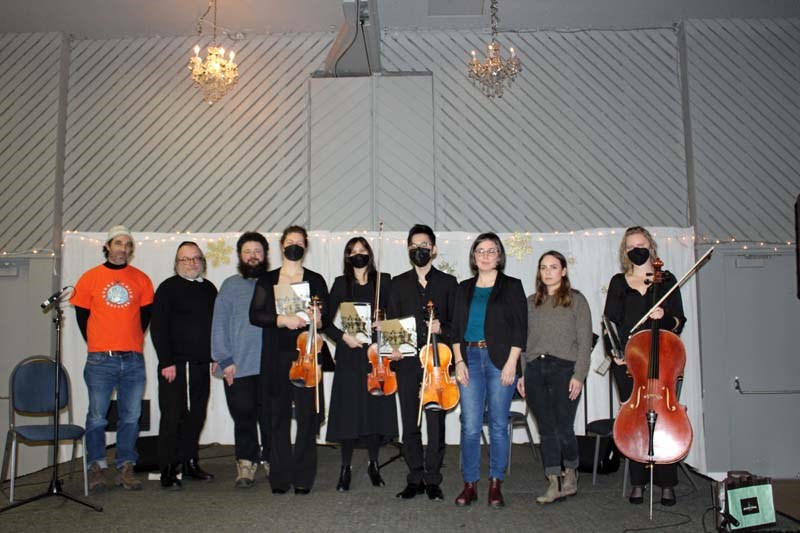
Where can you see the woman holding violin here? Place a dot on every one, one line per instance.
(555, 364)
(289, 466)
(355, 414)
(489, 333)
(629, 297)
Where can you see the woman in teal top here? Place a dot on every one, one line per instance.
(489, 332)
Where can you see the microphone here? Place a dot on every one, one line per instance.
(55, 296)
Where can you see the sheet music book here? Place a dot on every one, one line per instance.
(293, 299)
(612, 334)
(399, 333)
(355, 318)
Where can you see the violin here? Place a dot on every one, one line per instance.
(305, 372)
(381, 380)
(439, 391)
(652, 427)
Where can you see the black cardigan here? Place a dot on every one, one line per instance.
(506, 322)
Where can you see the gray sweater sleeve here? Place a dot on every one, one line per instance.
(583, 324)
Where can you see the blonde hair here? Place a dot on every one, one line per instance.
(627, 266)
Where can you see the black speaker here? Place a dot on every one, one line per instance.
(113, 416)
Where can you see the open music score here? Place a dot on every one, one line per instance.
(399, 334)
(355, 319)
(293, 299)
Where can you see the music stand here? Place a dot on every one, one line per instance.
(55, 488)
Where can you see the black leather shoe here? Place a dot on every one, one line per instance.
(411, 490)
(344, 479)
(301, 490)
(434, 492)
(191, 469)
(375, 474)
(169, 478)
(668, 496)
(637, 495)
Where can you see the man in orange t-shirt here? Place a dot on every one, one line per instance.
(112, 304)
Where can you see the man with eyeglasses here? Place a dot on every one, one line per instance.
(411, 292)
(181, 333)
(113, 303)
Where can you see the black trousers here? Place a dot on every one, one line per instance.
(292, 465)
(663, 475)
(423, 465)
(250, 410)
(182, 422)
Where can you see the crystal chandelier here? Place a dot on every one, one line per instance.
(494, 74)
(216, 74)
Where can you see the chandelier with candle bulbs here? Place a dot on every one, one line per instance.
(215, 75)
(495, 74)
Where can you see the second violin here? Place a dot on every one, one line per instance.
(439, 390)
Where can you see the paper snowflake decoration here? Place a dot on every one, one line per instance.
(218, 253)
(519, 246)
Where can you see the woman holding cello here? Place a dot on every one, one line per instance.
(555, 365)
(629, 297)
(279, 349)
(355, 414)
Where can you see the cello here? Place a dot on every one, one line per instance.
(381, 380)
(652, 427)
(438, 392)
(304, 372)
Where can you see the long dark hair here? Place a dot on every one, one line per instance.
(563, 295)
(349, 271)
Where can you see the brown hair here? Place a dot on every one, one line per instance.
(563, 295)
(501, 251)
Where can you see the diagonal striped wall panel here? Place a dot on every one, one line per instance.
(341, 154)
(405, 148)
(29, 68)
(745, 106)
(143, 148)
(590, 135)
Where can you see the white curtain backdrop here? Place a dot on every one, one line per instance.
(592, 256)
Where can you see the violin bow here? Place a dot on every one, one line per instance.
(425, 366)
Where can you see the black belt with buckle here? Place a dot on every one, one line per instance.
(115, 353)
(476, 344)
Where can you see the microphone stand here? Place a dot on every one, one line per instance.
(55, 488)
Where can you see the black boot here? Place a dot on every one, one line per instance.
(344, 479)
(375, 474)
(192, 470)
(169, 478)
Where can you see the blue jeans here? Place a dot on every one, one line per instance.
(484, 387)
(103, 374)
(547, 389)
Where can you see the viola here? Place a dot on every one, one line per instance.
(652, 426)
(381, 380)
(439, 391)
(305, 371)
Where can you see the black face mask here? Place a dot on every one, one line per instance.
(639, 256)
(295, 252)
(359, 260)
(419, 256)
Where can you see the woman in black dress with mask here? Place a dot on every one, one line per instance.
(356, 415)
(630, 296)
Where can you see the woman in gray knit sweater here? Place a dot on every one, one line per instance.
(555, 362)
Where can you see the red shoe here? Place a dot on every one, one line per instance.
(468, 495)
(495, 496)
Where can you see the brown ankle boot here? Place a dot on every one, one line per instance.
(495, 495)
(570, 483)
(468, 495)
(554, 490)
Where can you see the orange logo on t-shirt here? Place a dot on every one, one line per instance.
(117, 294)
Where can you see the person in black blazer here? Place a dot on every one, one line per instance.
(489, 333)
(298, 466)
